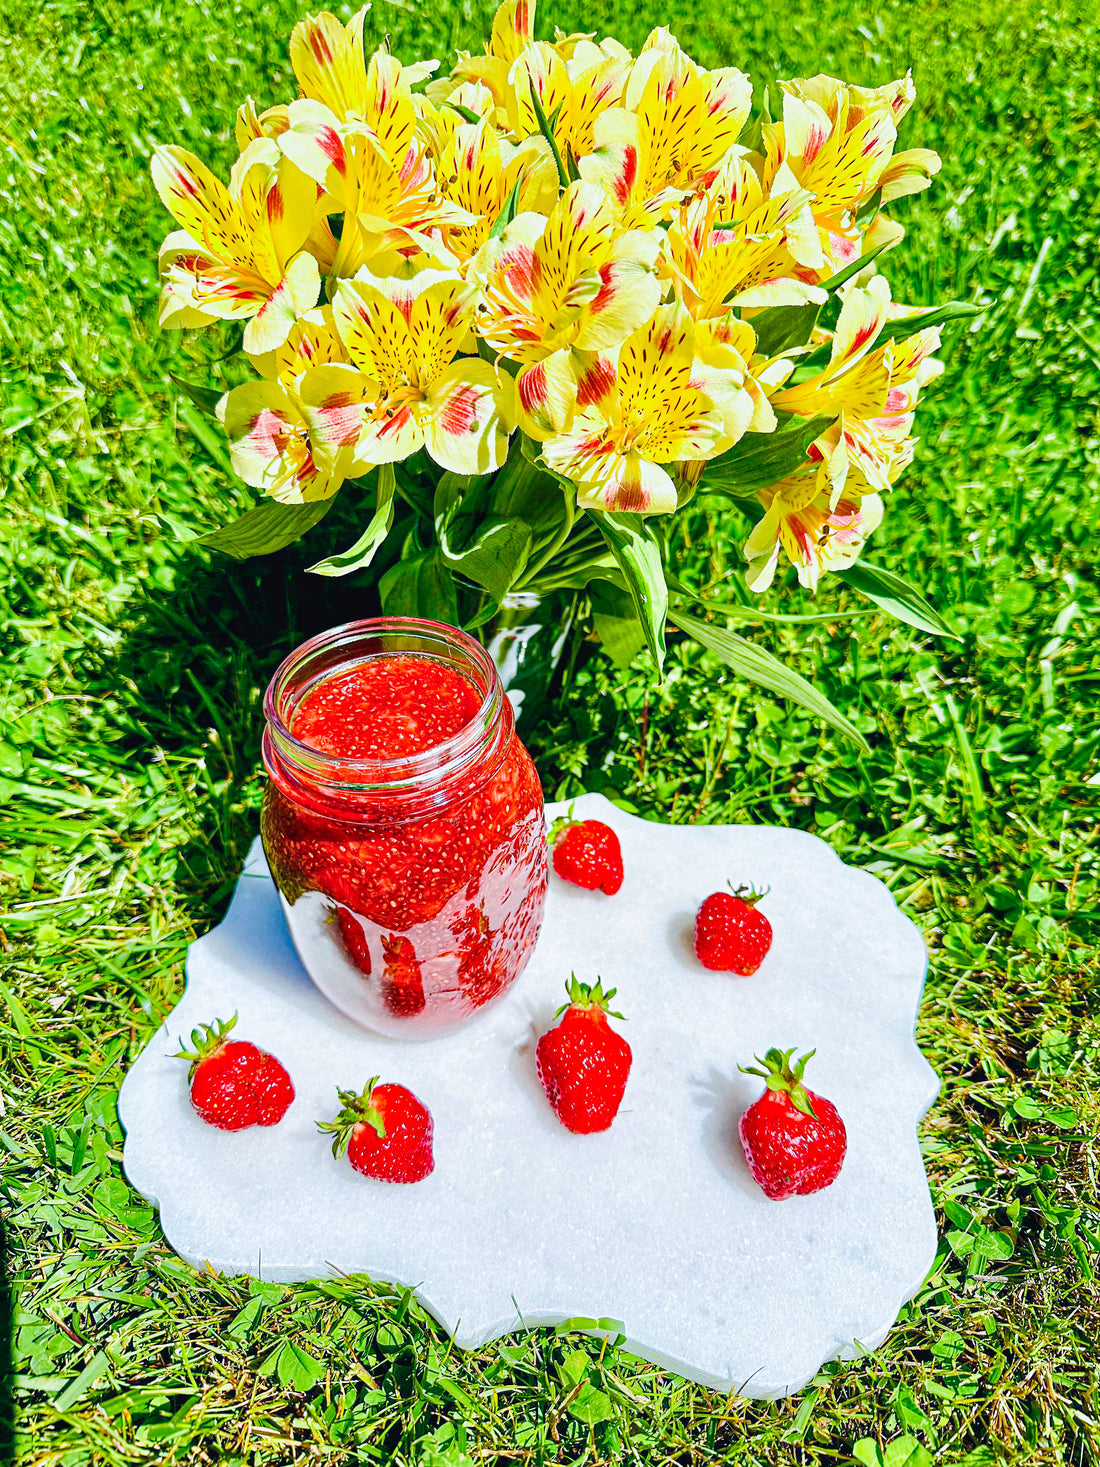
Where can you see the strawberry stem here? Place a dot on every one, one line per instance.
(207, 1040)
(355, 1110)
(780, 1074)
(585, 996)
(748, 894)
(560, 825)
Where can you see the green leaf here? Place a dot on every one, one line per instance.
(616, 622)
(751, 135)
(420, 585)
(206, 398)
(297, 1370)
(906, 1451)
(633, 544)
(834, 281)
(266, 527)
(903, 1451)
(11, 760)
(591, 1405)
(245, 1321)
(574, 1367)
(508, 211)
(761, 667)
(780, 327)
(895, 595)
(759, 460)
(360, 555)
(81, 1384)
(548, 133)
(938, 316)
(489, 549)
(443, 1449)
(466, 113)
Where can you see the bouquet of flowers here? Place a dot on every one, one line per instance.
(527, 311)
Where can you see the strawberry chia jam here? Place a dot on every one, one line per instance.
(403, 823)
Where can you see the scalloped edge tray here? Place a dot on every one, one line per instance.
(653, 1228)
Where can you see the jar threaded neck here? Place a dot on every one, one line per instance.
(373, 789)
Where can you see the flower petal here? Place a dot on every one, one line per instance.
(374, 332)
(634, 486)
(294, 295)
(463, 427)
(908, 173)
(546, 395)
(439, 319)
(327, 58)
(200, 203)
(270, 445)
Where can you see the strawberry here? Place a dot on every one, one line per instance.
(354, 939)
(731, 936)
(582, 1063)
(402, 984)
(587, 853)
(233, 1083)
(794, 1141)
(386, 1132)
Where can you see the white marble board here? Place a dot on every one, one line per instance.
(655, 1223)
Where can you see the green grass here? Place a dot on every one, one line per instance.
(129, 781)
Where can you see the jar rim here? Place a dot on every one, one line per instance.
(339, 778)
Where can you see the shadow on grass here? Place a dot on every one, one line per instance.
(7, 1412)
(198, 658)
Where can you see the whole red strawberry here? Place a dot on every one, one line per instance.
(582, 1063)
(402, 983)
(233, 1083)
(731, 934)
(386, 1132)
(794, 1141)
(587, 853)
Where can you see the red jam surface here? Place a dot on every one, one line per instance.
(432, 915)
(386, 708)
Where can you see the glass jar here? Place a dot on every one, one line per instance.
(413, 886)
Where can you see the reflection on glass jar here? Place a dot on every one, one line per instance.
(403, 823)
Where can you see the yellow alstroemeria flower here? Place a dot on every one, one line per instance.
(573, 93)
(737, 246)
(270, 445)
(239, 255)
(816, 535)
(636, 414)
(873, 392)
(838, 141)
(405, 389)
(375, 171)
(313, 342)
(674, 127)
(329, 61)
(478, 169)
(554, 289)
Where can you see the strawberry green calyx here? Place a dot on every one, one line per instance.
(585, 996)
(207, 1040)
(559, 826)
(749, 895)
(779, 1074)
(356, 1110)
